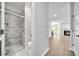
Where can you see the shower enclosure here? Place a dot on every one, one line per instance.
(16, 23)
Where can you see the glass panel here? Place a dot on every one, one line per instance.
(17, 30)
(14, 28)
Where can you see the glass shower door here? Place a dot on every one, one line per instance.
(14, 29)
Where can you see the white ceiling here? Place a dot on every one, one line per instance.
(59, 11)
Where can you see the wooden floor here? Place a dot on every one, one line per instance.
(59, 47)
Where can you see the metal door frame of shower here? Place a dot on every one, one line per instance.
(3, 28)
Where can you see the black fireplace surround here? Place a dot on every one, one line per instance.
(66, 32)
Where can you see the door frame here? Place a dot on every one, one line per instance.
(3, 28)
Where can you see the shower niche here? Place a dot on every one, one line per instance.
(17, 28)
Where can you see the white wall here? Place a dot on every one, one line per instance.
(39, 28)
(76, 32)
(75, 28)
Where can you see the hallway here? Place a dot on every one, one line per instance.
(59, 47)
(26, 26)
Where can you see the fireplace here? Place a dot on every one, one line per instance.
(66, 33)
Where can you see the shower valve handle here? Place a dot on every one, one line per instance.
(1, 32)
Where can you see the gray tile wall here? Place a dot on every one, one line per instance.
(14, 33)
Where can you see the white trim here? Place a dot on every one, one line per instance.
(70, 49)
(3, 28)
(75, 52)
(45, 52)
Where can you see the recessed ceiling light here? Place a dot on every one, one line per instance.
(55, 15)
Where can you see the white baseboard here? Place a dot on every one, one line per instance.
(45, 52)
(71, 49)
(75, 52)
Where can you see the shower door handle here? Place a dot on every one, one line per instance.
(1, 32)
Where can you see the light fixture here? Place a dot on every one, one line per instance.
(55, 15)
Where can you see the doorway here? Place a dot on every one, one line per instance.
(55, 30)
(59, 17)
